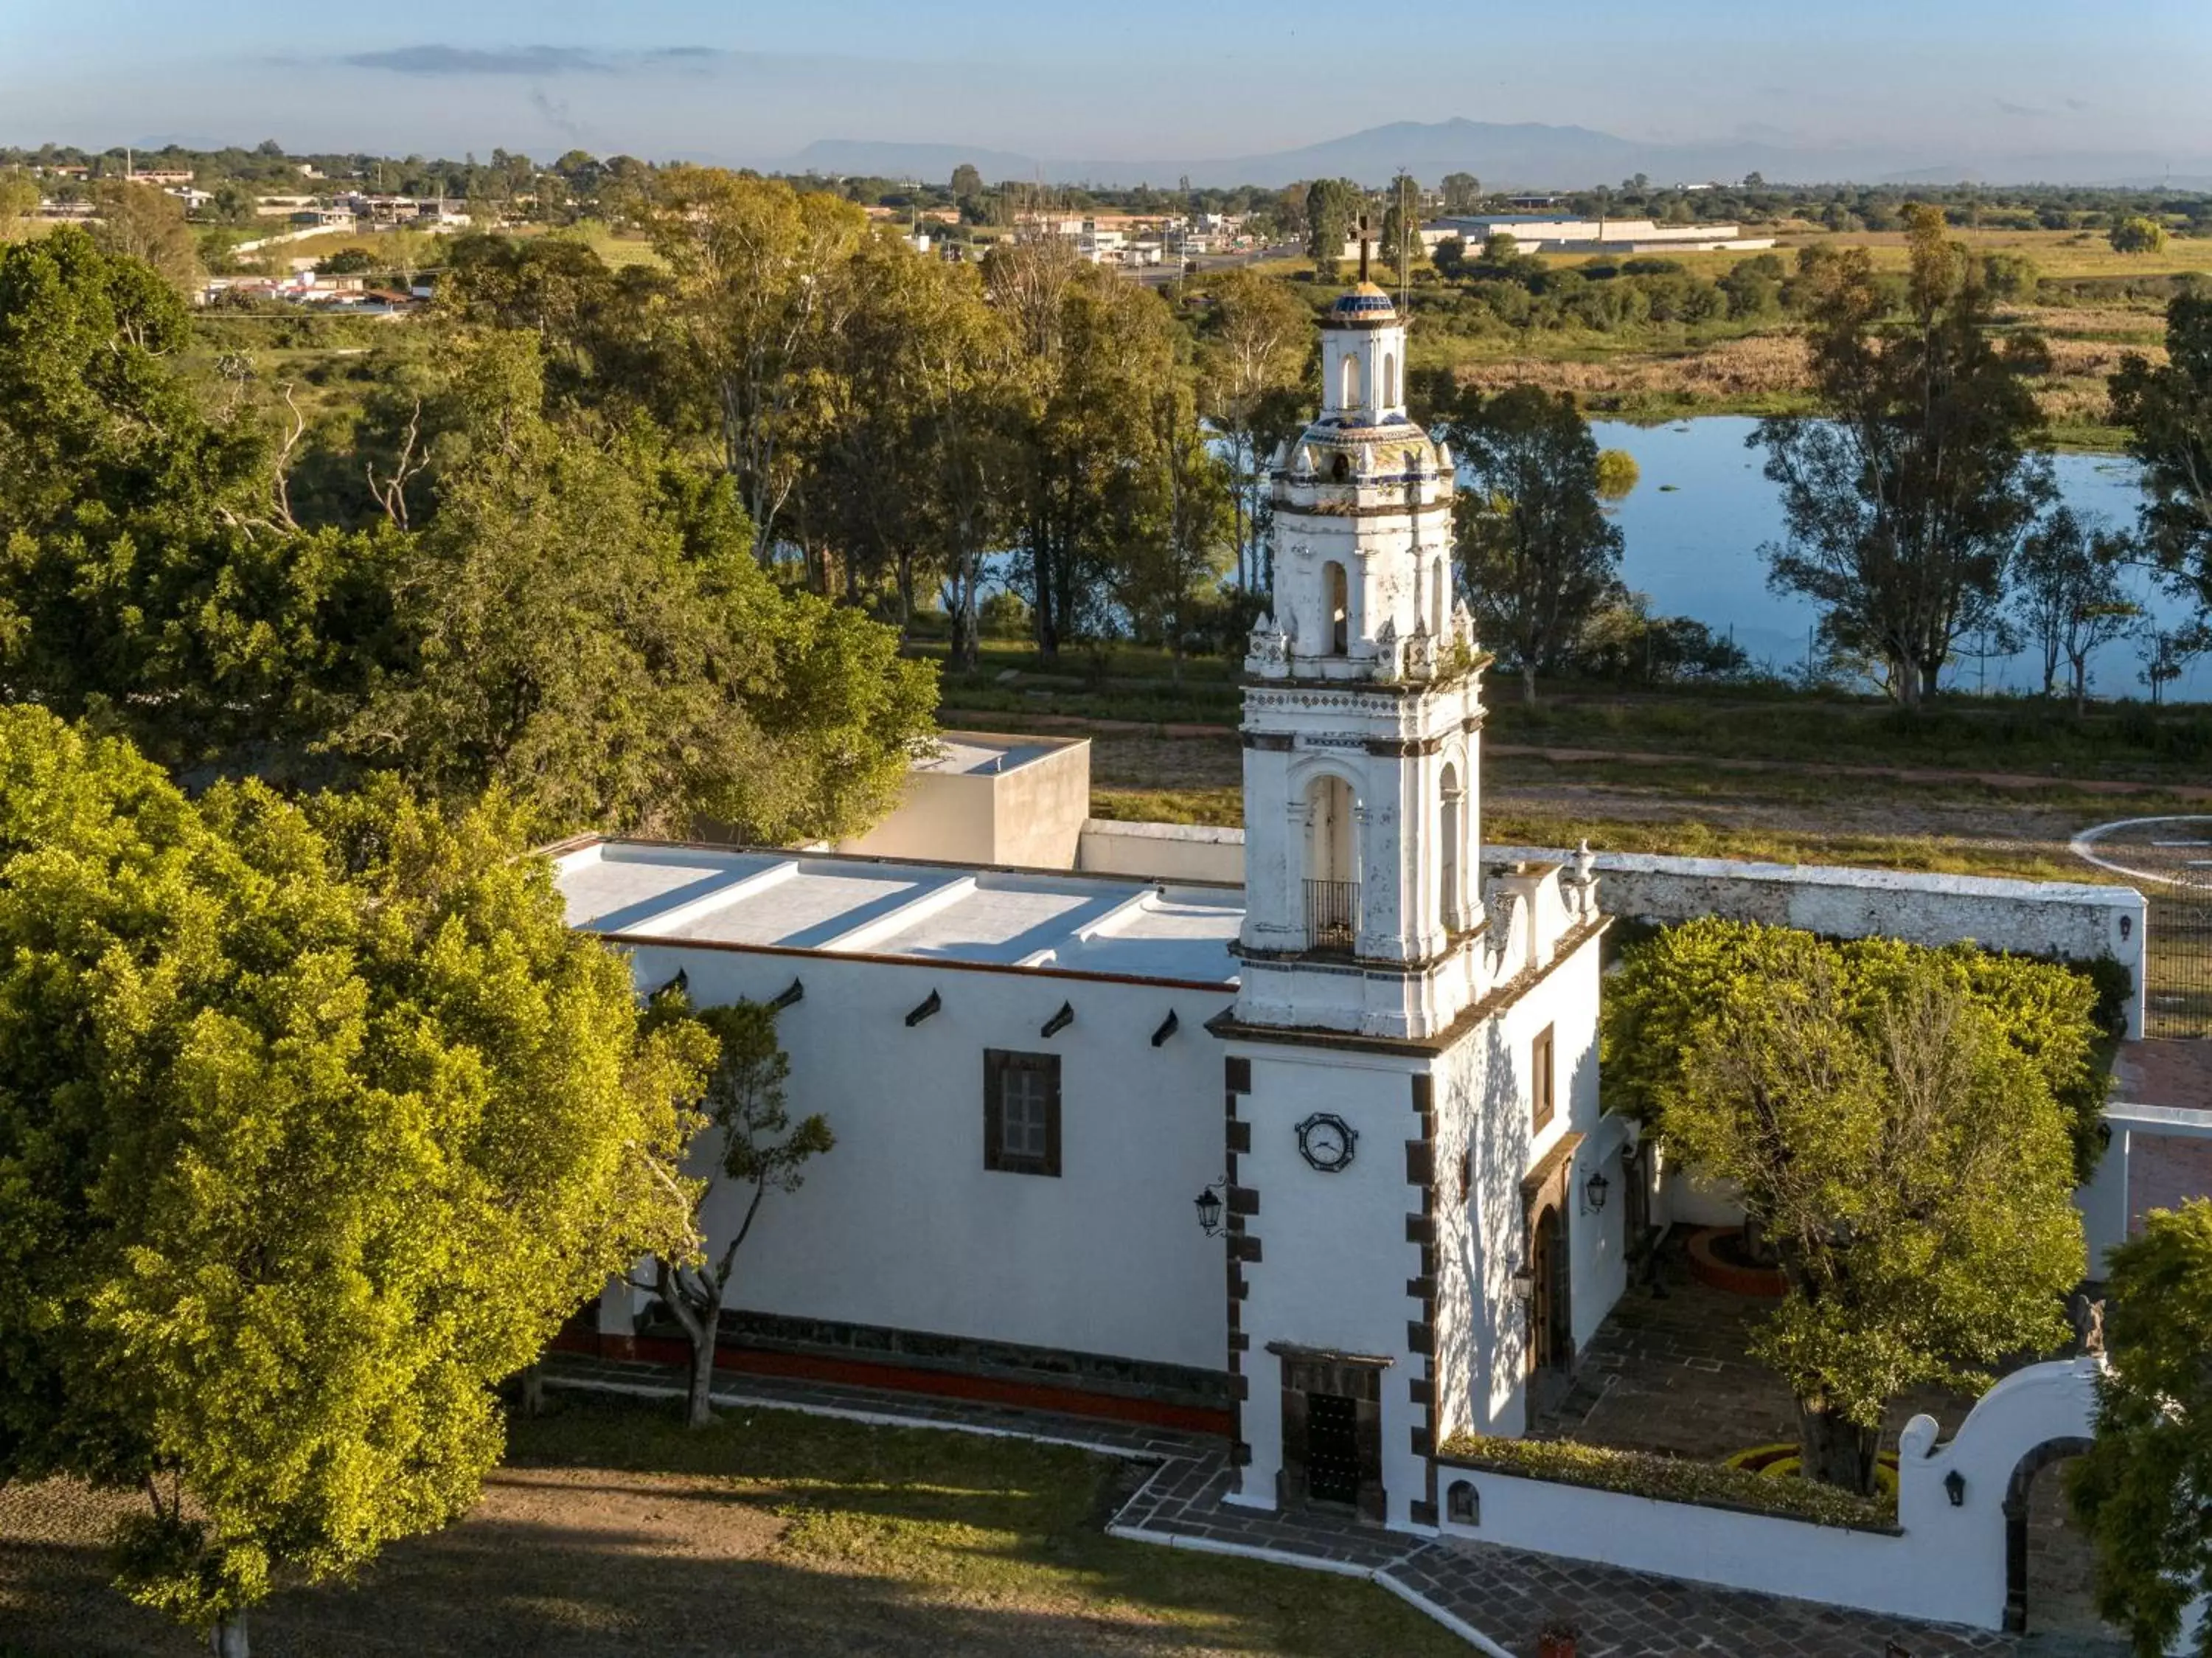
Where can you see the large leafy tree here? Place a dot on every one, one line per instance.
(149, 566)
(138, 222)
(909, 474)
(2167, 409)
(1096, 355)
(1906, 1127)
(1539, 553)
(1904, 502)
(1253, 345)
(2071, 596)
(314, 1124)
(583, 624)
(754, 262)
(1331, 214)
(2140, 1491)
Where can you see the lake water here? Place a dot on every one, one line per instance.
(1693, 547)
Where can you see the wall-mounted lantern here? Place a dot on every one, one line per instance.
(1524, 1281)
(1209, 1208)
(790, 997)
(925, 1008)
(2127, 926)
(1954, 1487)
(2104, 1134)
(1060, 1022)
(1594, 1191)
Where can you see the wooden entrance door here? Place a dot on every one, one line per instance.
(1333, 1460)
(1332, 1430)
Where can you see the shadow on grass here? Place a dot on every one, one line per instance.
(614, 1530)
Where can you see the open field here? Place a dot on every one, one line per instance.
(613, 1529)
(1976, 788)
(1658, 371)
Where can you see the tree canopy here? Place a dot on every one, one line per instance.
(1539, 553)
(314, 1123)
(1905, 503)
(474, 583)
(1906, 1127)
(2167, 409)
(2139, 1490)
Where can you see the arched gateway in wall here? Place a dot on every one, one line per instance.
(2016, 1522)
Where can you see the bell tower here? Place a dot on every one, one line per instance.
(1362, 716)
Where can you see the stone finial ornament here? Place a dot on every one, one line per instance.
(1269, 650)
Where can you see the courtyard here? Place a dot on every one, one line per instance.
(1669, 1371)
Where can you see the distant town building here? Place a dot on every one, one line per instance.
(1540, 233)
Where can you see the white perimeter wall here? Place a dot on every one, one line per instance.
(901, 1225)
(1945, 1563)
(2077, 920)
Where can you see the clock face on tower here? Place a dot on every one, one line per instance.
(1325, 1140)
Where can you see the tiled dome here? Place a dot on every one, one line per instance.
(1366, 303)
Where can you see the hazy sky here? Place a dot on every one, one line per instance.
(1124, 79)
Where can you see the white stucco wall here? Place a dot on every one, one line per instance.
(1945, 1563)
(1334, 1257)
(902, 1226)
(1485, 1111)
(2110, 1202)
(1336, 1261)
(1029, 814)
(1164, 851)
(2077, 920)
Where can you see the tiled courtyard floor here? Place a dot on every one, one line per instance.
(1670, 1374)
(1496, 1597)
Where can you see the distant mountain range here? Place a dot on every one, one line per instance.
(1519, 156)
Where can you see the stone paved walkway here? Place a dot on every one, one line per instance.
(1670, 1374)
(1495, 1597)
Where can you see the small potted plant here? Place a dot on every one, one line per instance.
(1556, 1638)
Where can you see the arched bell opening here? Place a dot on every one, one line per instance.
(1332, 864)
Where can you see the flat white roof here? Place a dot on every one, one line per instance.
(1122, 928)
(973, 752)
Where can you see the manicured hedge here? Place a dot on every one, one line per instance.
(1671, 1479)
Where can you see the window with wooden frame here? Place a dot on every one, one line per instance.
(1542, 1081)
(1021, 1112)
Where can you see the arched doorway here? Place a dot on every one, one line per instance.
(2049, 1562)
(1332, 864)
(1551, 1338)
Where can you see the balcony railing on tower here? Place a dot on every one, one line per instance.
(1331, 915)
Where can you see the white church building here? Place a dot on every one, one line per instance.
(1374, 1070)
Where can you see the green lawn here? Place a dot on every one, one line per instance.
(614, 1530)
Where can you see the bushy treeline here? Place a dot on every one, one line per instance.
(459, 579)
